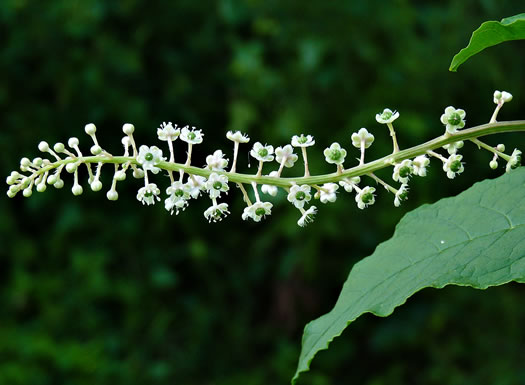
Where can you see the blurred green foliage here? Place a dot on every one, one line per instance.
(115, 293)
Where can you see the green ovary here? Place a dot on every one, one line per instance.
(455, 166)
(404, 172)
(454, 119)
(335, 155)
(300, 196)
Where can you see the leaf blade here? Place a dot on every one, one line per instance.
(436, 245)
(489, 34)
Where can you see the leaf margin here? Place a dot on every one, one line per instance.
(304, 366)
(505, 26)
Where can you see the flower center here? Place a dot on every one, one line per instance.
(455, 166)
(148, 194)
(386, 115)
(191, 135)
(335, 154)
(149, 157)
(404, 172)
(179, 193)
(367, 197)
(260, 212)
(217, 185)
(263, 152)
(217, 213)
(454, 119)
(300, 196)
(302, 139)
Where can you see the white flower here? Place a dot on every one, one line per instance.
(238, 137)
(453, 166)
(401, 195)
(453, 119)
(307, 217)
(303, 141)
(335, 154)
(192, 136)
(349, 183)
(216, 212)
(365, 197)
(148, 194)
(452, 148)
(270, 189)
(262, 153)
(402, 171)
(216, 184)
(285, 154)
(216, 162)
(168, 132)
(172, 204)
(257, 211)
(299, 195)
(179, 193)
(362, 136)
(179, 190)
(195, 185)
(387, 116)
(328, 192)
(502, 97)
(420, 164)
(514, 161)
(149, 157)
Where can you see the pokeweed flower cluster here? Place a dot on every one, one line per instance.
(215, 179)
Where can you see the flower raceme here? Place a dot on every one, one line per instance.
(213, 180)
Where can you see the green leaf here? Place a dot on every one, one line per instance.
(488, 34)
(475, 239)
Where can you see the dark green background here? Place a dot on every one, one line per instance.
(97, 292)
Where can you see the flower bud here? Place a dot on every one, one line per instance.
(77, 190)
(96, 185)
(96, 149)
(138, 173)
(14, 189)
(41, 187)
(52, 179)
(71, 167)
(500, 147)
(27, 192)
(90, 129)
(112, 195)
(38, 162)
(493, 164)
(58, 147)
(25, 162)
(58, 184)
(43, 146)
(128, 128)
(120, 175)
(72, 142)
(506, 96)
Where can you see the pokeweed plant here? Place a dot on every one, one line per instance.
(475, 239)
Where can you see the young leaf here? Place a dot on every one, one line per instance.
(488, 34)
(475, 239)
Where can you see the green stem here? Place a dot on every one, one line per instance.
(479, 143)
(367, 168)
